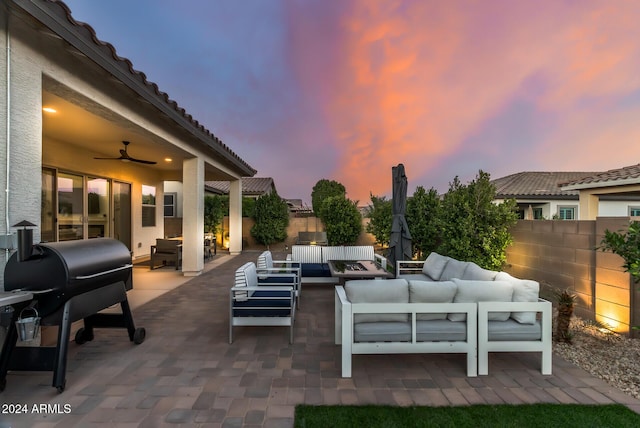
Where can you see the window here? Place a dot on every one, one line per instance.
(148, 206)
(170, 204)
(567, 213)
(537, 214)
(634, 211)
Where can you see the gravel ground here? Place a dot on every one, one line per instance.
(609, 356)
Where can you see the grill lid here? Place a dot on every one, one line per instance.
(71, 267)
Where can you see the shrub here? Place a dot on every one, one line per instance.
(626, 245)
(342, 220)
(423, 218)
(473, 228)
(380, 218)
(325, 189)
(271, 216)
(215, 208)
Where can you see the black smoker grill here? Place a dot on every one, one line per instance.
(70, 280)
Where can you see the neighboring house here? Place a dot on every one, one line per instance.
(538, 194)
(67, 98)
(611, 193)
(252, 187)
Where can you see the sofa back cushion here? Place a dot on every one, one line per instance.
(245, 277)
(265, 260)
(453, 269)
(473, 271)
(482, 291)
(434, 265)
(306, 253)
(524, 290)
(431, 292)
(358, 252)
(378, 291)
(332, 253)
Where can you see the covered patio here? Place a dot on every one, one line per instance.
(187, 373)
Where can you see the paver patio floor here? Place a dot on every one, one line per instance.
(187, 374)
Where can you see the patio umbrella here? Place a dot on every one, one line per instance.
(400, 239)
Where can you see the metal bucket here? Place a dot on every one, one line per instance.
(28, 328)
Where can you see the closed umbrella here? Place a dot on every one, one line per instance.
(400, 239)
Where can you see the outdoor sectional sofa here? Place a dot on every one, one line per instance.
(314, 260)
(445, 305)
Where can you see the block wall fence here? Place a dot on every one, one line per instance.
(563, 254)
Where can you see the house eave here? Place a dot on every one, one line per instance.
(603, 184)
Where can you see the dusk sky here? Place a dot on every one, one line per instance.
(345, 89)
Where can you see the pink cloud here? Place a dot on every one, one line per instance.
(410, 81)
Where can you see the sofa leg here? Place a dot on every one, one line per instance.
(472, 365)
(483, 363)
(546, 362)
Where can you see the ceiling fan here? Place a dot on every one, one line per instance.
(124, 156)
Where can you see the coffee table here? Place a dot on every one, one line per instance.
(346, 270)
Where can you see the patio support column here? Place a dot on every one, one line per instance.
(193, 217)
(235, 217)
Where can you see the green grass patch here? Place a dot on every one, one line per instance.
(505, 415)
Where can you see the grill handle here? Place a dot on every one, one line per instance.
(106, 272)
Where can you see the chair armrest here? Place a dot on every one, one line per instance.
(382, 260)
(409, 266)
(278, 272)
(343, 317)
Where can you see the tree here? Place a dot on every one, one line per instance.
(380, 216)
(325, 189)
(271, 216)
(342, 220)
(473, 227)
(423, 218)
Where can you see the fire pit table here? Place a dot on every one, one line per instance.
(357, 269)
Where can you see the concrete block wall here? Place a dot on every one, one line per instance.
(563, 255)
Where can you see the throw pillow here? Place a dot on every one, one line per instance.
(434, 265)
(482, 291)
(524, 290)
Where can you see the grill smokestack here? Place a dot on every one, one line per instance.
(25, 240)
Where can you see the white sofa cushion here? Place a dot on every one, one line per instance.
(378, 291)
(524, 290)
(482, 291)
(453, 269)
(434, 265)
(431, 292)
(473, 271)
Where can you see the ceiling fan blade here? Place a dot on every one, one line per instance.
(124, 156)
(141, 161)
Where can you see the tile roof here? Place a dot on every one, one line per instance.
(612, 177)
(250, 186)
(537, 184)
(57, 9)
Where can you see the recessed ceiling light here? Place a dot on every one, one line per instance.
(168, 160)
(49, 109)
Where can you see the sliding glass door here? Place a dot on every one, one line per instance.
(76, 206)
(122, 212)
(70, 207)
